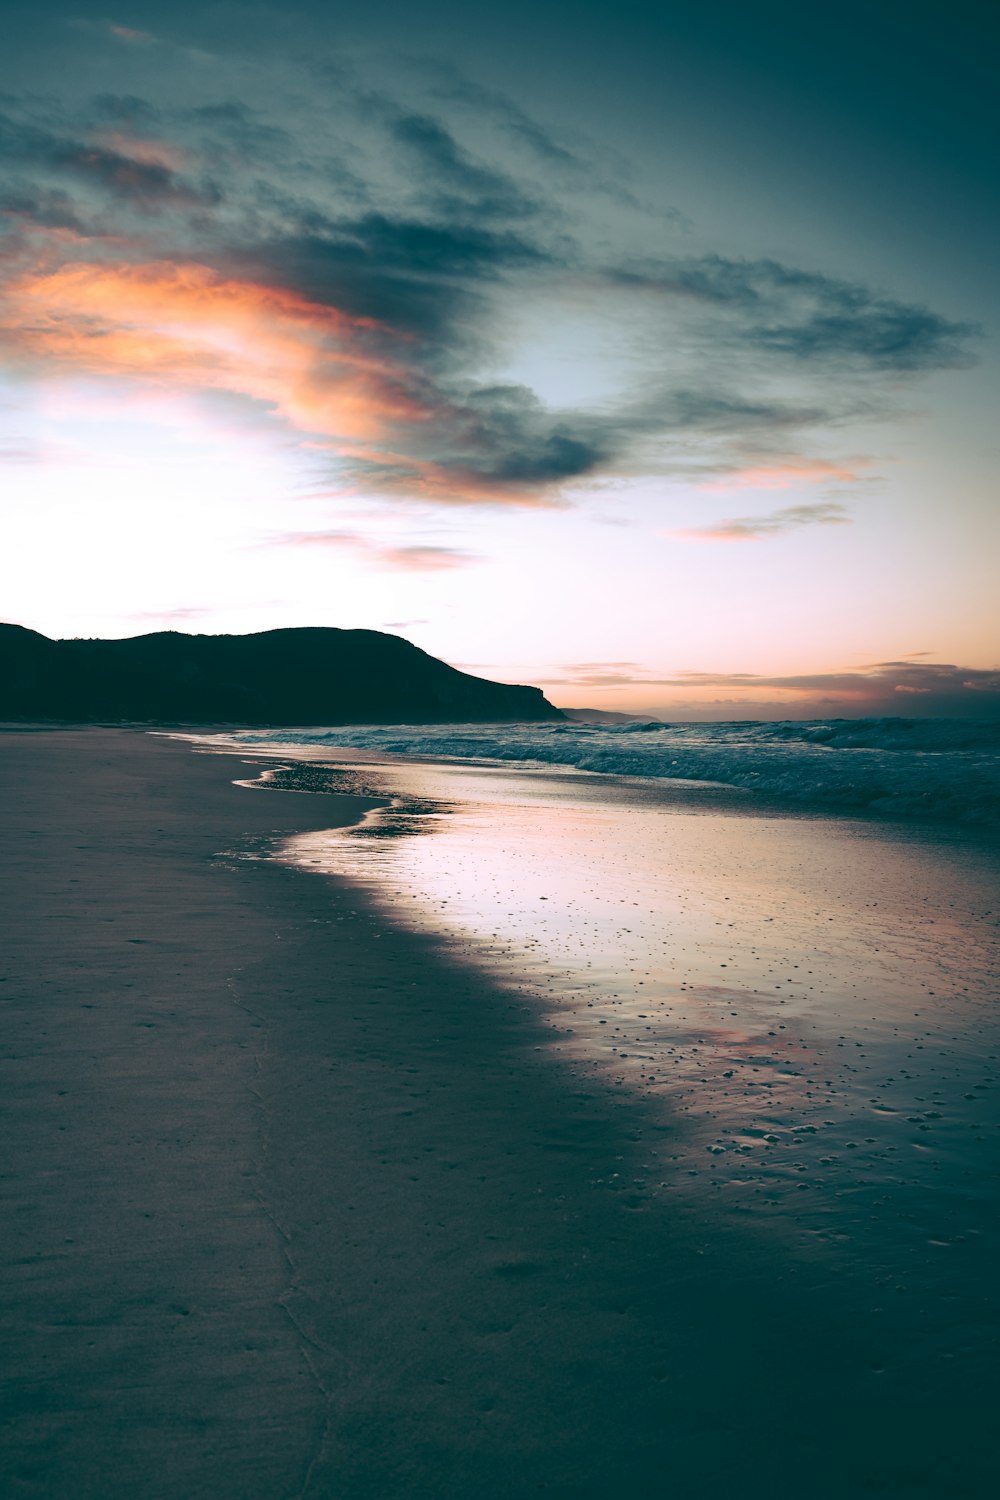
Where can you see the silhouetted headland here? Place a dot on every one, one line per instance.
(297, 676)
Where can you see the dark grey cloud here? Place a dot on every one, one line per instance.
(141, 182)
(435, 250)
(723, 411)
(455, 87)
(879, 333)
(47, 207)
(126, 109)
(583, 162)
(807, 317)
(504, 433)
(493, 444)
(415, 275)
(453, 173)
(240, 129)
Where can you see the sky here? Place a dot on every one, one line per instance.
(643, 352)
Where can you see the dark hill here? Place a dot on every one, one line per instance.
(310, 676)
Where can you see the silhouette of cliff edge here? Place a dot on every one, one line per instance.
(303, 676)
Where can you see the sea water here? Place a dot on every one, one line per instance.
(937, 769)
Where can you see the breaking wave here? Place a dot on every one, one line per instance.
(941, 769)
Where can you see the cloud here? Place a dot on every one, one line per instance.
(453, 173)
(231, 128)
(588, 165)
(407, 558)
(892, 688)
(142, 179)
(168, 617)
(183, 323)
(943, 686)
(781, 476)
(456, 87)
(346, 381)
(131, 36)
(597, 674)
(363, 294)
(126, 109)
(501, 440)
(752, 528)
(724, 411)
(807, 317)
(22, 453)
(415, 273)
(30, 205)
(422, 559)
(599, 666)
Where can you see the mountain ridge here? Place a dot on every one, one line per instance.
(293, 675)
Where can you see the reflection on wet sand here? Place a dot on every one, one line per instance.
(810, 999)
(793, 1022)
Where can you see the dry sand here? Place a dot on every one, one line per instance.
(294, 1205)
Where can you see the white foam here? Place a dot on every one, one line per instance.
(937, 769)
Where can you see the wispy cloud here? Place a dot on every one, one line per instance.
(784, 475)
(405, 557)
(129, 34)
(141, 177)
(454, 174)
(806, 316)
(597, 674)
(892, 687)
(419, 559)
(167, 617)
(894, 676)
(753, 528)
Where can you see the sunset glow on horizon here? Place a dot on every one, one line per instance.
(325, 333)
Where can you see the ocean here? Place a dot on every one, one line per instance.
(944, 770)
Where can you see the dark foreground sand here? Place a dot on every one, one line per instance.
(294, 1207)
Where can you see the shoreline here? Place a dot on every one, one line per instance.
(304, 1207)
(946, 777)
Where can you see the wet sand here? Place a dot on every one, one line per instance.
(300, 1204)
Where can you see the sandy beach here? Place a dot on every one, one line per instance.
(299, 1202)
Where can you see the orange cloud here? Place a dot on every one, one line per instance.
(330, 375)
(186, 324)
(783, 475)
